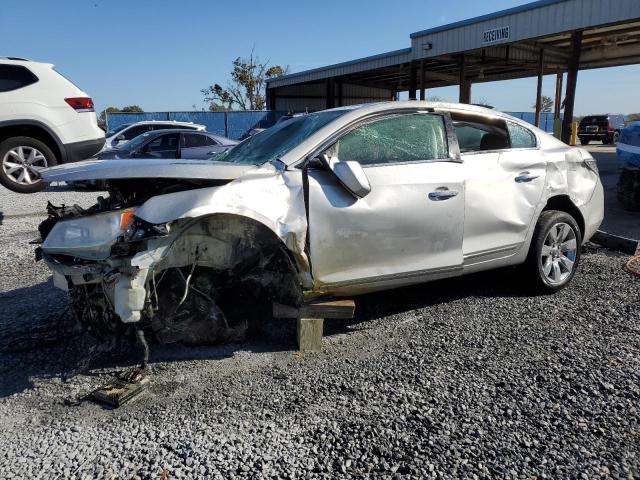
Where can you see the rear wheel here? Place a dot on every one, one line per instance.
(616, 137)
(584, 141)
(22, 159)
(555, 251)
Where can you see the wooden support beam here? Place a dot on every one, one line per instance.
(271, 98)
(413, 80)
(539, 89)
(316, 309)
(339, 89)
(421, 79)
(330, 93)
(572, 81)
(310, 331)
(310, 319)
(465, 84)
(558, 99)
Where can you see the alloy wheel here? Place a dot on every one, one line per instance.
(558, 253)
(22, 165)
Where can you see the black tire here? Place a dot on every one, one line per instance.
(30, 143)
(616, 137)
(584, 141)
(606, 141)
(534, 264)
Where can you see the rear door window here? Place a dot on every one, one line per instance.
(164, 143)
(397, 139)
(477, 133)
(13, 77)
(133, 132)
(521, 137)
(194, 140)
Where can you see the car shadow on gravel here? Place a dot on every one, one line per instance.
(37, 346)
(506, 282)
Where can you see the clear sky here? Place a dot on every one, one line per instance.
(159, 54)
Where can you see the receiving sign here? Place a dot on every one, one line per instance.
(496, 35)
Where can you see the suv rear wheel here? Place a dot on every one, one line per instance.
(22, 158)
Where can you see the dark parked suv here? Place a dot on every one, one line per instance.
(600, 127)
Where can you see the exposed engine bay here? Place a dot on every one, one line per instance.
(193, 280)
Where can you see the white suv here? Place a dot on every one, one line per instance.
(128, 131)
(45, 120)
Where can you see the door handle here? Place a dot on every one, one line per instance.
(525, 177)
(440, 195)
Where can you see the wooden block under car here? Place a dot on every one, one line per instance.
(310, 318)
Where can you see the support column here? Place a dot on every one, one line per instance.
(271, 98)
(413, 80)
(572, 81)
(339, 93)
(539, 89)
(330, 93)
(421, 79)
(558, 100)
(465, 84)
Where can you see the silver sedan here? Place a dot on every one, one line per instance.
(334, 203)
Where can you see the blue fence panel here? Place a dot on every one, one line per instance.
(214, 121)
(235, 125)
(116, 119)
(546, 119)
(239, 124)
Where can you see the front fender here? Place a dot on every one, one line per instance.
(271, 198)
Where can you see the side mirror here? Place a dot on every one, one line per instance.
(350, 174)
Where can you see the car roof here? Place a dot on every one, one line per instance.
(176, 122)
(356, 112)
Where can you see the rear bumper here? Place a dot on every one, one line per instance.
(78, 151)
(593, 212)
(595, 136)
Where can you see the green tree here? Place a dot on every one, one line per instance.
(546, 104)
(102, 118)
(246, 89)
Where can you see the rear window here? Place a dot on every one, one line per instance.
(13, 77)
(595, 119)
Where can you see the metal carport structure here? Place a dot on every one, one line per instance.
(535, 39)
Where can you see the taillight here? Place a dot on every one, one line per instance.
(609, 126)
(80, 104)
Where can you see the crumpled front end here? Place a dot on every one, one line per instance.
(193, 266)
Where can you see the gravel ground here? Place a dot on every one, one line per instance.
(468, 377)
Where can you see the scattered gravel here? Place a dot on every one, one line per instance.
(468, 377)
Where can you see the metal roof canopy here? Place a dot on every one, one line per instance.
(535, 39)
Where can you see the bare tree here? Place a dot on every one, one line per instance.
(546, 104)
(246, 89)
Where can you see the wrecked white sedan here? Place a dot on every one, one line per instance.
(335, 203)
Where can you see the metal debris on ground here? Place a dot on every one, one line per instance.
(633, 265)
(121, 390)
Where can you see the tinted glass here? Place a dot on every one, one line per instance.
(404, 138)
(13, 77)
(193, 140)
(117, 129)
(477, 133)
(163, 143)
(276, 141)
(520, 136)
(595, 119)
(133, 132)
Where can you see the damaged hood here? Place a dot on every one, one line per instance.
(144, 168)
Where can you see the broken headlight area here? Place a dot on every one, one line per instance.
(102, 235)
